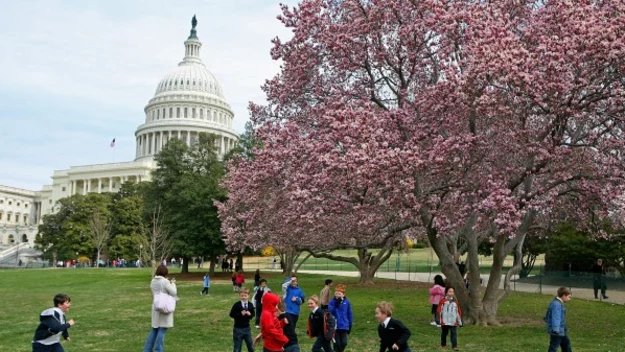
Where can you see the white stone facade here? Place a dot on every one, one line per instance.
(20, 212)
(188, 100)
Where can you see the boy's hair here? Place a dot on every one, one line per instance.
(328, 281)
(261, 281)
(281, 306)
(563, 291)
(314, 298)
(60, 299)
(161, 271)
(244, 290)
(385, 308)
(448, 288)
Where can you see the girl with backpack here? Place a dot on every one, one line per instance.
(320, 326)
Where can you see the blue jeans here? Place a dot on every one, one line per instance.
(321, 344)
(240, 334)
(292, 348)
(155, 341)
(556, 341)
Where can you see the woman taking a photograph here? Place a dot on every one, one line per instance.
(160, 321)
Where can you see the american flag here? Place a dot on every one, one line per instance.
(113, 143)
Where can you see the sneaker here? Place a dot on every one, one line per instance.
(605, 297)
(433, 323)
(201, 293)
(257, 326)
(438, 325)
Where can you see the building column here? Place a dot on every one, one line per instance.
(110, 184)
(189, 138)
(222, 147)
(99, 185)
(84, 187)
(71, 188)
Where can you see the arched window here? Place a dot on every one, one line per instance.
(202, 114)
(185, 113)
(158, 114)
(163, 112)
(177, 112)
(24, 238)
(193, 113)
(11, 239)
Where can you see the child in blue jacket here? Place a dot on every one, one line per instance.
(341, 309)
(293, 299)
(556, 322)
(207, 285)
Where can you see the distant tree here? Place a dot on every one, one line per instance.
(100, 233)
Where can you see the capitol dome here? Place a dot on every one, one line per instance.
(189, 100)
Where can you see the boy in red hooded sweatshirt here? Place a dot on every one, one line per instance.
(270, 326)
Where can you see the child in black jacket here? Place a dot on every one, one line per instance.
(393, 333)
(242, 312)
(315, 326)
(53, 325)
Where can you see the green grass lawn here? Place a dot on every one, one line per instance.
(112, 312)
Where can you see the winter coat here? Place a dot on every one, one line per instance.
(342, 311)
(292, 307)
(437, 293)
(449, 312)
(556, 318)
(270, 326)
(162, 320)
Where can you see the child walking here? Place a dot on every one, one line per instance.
(393, 333)
(316, 326)
(556, 322)
(450, 317)
(53, 325)
(242, 312)
(270, 326)
(437, 292)
(258, 299)
(207, 285)
(341, 309)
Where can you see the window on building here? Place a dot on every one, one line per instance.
(25, 219)
(10, 202)
(25, 205)
(18, 204)
(177, 112)
(171, 112)
(1, 201)
(185, 113)
(50, 201)
(63, 189)
(8, 217)
(158, 114)
(163, 112)
(202, 114)
(1, 216)
(193, 113)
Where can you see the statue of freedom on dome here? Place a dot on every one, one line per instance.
(193, 22)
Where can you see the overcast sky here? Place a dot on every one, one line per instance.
(76, 74)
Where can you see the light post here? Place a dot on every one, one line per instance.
(140, 255)
(17, 249)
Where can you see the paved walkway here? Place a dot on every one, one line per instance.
(615, 297)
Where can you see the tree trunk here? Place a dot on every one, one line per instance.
(185, 265)
(301, 262)
(366, 263)
(97, 262)
(211, 269)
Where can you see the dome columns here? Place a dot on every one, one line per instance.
(151, 143)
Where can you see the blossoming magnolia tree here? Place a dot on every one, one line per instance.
(479, 120)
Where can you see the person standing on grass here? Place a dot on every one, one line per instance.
(160, 321)
(261, 290)
(242, 312)
(293, 299)
(437, 292)
(341, 308)
(450, 317)
(207, 285)
(598, 281)
(292, 345)
(271, 328)
(53, 325)
(256, 279)
(556, 322)
(325, 294)
(393, 333)
(316, 326)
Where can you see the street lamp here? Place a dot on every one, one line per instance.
(17, 249)
(140, 255)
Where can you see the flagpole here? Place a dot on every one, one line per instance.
(113, 153)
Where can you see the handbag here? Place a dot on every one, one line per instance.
(163, 302)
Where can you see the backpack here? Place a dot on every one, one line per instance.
(329, 326)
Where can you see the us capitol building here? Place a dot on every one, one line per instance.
(188, 100)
